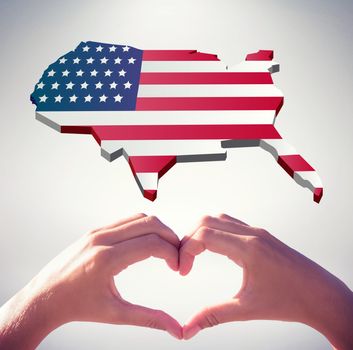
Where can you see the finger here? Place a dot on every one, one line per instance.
(225, 243)
(184, 239)
(145, 317)
(142, 226)
(137, 249)
(125, 220)
(214, 315)
(185, 258)
(222, 222)
(227, 223)
(233, 226)
(230, 218)
(121, 222)
(202, 222)
(247, 229)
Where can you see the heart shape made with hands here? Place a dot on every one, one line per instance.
(213, 279)
(227, 236)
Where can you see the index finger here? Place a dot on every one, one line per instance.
(231, 218)
(223, 222)
(229, 244)
(141, 248)
(120, 222)
(142, 226)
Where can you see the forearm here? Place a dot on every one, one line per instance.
(339, 327)
(25, 321)
(332, 313)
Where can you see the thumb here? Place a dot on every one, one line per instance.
(145, 317)
(214, 315)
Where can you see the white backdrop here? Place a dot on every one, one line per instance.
(56, 187)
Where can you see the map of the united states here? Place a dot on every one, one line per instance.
(161, 107)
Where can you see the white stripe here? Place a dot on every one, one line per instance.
(183, 66)
(209, 90)
(148, 181)
(309, 179)
(277, 147)
(159, 117)
(206, 66)
(163, 147)
(255, 66)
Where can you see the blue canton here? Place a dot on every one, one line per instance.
(93, 77)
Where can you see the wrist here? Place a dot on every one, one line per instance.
(26, 319)
(331, 311)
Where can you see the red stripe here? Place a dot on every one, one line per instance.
(261, 55)
(206, 78)
(318, 193)
(177, 55)
(181, 132)
(76, 129)
(208, 103)
(294, 162)
(150, 194)
(151, 164)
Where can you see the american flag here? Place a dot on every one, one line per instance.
(160, 107)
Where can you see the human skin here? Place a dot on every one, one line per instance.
(78, 284)
(279, 283)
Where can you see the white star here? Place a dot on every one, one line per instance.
(126, 48)
(113, 85)
(99, 85)
(85, 48)
(122, 73)
(102, 98)
(90, 60)
(118, 98)
(40, 85)
(51, 73)
(58, 98)
(127, 85)
(108, 73)
(76, 60)
(112, 48)
(62, 60)
(94, 73)
(104, 60)
(117, 60)
(79, 73)
(88, 98)
(69, 85)
(42, 98)
(84, 85)
(132, 60)
(99, 48)
(73, 98)
(65, 73)
(55, 86)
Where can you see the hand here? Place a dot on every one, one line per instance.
(78, 284)
(278, 282)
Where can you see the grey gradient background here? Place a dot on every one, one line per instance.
(56, 187)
